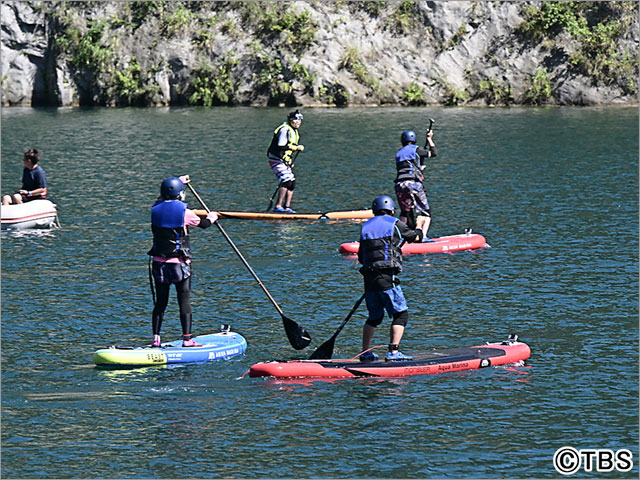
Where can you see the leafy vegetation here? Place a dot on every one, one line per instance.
(96, 44)
(89, 49)
(272, 78)
(414, 94)
(130, 87)
(456, 38)
(453, 96)
(540, 89)
(495, 93)
(177, 20)
(280, 22)
(353, 63)
(372, 8)
(403, 18)
(213, 85)
(595, 28)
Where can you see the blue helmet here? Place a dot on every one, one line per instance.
(408, 136)
(171, 187)
(383, 202)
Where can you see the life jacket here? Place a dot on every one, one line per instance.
(378, 244)
(170, 235)
(283, 152)
(408, 164)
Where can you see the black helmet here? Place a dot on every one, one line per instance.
(383, 202)
(408, 136)
(171, 187)
(295, 115)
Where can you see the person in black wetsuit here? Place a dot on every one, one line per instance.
(381, 259)
(285, 141)
(171, 252)
(409, 188)
(34, 180)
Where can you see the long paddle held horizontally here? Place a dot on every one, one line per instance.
(297, 335)
(325, 350)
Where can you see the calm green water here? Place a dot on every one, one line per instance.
(555, 192)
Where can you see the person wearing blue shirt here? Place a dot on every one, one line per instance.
(414, 206)
(381, 258)
(34, 180)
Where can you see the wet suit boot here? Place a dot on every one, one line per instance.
(187, 341)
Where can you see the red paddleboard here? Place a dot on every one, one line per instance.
(423, 363)
(451, 243)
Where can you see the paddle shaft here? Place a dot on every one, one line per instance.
(348, 317)
(325, 350)
(238, 253)
(272, 197)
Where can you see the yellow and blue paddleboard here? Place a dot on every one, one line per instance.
(215, 346)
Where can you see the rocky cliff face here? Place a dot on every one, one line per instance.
(316, 53)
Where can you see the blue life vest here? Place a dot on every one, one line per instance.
(170, 236)
(408, 164)
(378, 247)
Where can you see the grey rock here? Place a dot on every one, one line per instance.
(464, 52)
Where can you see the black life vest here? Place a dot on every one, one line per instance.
(170, 235)
(379, 244)
(408, 164)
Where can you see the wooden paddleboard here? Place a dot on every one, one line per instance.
(335, 215)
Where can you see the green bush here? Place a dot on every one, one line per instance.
(414, 94)
(213, 85)
(495, 93)
(404, 17)
(295, 30)
(540, 89)
(177, 21)
(353, 63)
(596, 28)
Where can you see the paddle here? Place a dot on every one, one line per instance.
(411, 216)
(325, 350)
(272, 197)
(297, 335)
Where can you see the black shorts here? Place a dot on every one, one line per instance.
(169, 273)
(26, 198)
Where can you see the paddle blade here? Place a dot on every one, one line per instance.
(298, 336)
(324, 351)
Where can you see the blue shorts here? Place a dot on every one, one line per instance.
(392, 301)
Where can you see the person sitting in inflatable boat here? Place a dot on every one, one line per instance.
(34, 181)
